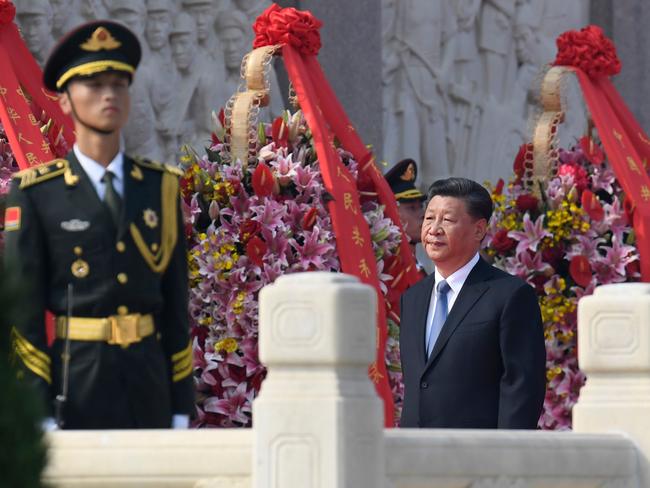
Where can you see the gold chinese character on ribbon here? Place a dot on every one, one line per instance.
(3, 92)
(32, 119)
(363, 268)
(45, 147)
(22, 93)
(632, 165)
(619, 137)
(645, 193)
(374, 374)
(348, 203)
(54, 98)
(13, 114)
(23, 139)
(32, 159)
(356, 236)
(340, 173)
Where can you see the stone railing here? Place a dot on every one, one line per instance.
(318, 423)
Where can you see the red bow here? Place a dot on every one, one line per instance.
(7, 12)
(278, 25)
(589, 50)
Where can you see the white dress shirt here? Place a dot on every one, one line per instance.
(456, 280)
(96, 171)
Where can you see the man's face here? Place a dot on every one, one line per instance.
(183, 46)
(60, 10)
(159, 23)
(36, 31)
(411, 215)
(204, 15)
(101, 101)
(233, 42)
(450, 235)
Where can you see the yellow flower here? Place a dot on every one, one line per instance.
(228, 344)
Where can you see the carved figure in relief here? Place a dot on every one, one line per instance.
(251, 8)
(209, 49)
(139, 133)
(464, 87)
(232, 27)
(416, 72)
(194, 85)
(162, 73)
(65, 17)
(93, 9)
(35, 20)
(496, 45)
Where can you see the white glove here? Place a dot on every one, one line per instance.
(180, 421)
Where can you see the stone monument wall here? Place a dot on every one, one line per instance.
(191, 57)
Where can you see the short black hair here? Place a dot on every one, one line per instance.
(477, 199)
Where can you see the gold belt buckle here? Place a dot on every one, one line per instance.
(124, 329)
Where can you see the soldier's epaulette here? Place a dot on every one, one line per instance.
(148, 163)
(38, 174)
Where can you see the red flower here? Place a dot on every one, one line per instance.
(588, 50)
(633, 269)
(628, 207)
(309, 219)
(527, 202)
(7, 12)
(255, 250)
(553, 255)
(280, 132)
(592, 206)
(525, 152)
(580, 270)
(296, 28)
(592, 151)
(502, 243)
(579, 174)
(498, 190)
(249, 228)
(263, 180)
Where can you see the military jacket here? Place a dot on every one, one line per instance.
(58, 232)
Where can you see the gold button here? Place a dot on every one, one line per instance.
(154, 247)
(122, 310)
(120, 246)
(78, 250)
(122, 278)
(60, 164)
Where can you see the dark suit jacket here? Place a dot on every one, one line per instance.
(63, 221)
(487, 368)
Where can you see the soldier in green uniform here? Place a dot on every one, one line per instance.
(111, 226)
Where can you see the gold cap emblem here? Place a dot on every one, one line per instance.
(100, 39)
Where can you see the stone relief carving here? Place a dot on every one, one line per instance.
(461, 78)
(191, 56)
(500, 482)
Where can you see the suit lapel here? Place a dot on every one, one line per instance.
(421, 308)
(129, 205)
(472, 290)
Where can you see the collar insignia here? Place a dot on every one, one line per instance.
(100, 39)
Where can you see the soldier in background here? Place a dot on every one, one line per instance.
(111, 227)
(410, 206)
(139, 134)
(35, 20)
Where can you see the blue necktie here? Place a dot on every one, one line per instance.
(439, 315)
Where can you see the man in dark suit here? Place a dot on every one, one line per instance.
(111, 226)
(471, 337)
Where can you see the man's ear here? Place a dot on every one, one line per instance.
(64, 103)
(480, 229)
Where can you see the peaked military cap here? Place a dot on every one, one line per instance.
(90, 49)
(401, 179)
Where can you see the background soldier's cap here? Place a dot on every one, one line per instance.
(183, 24)
(34, 7)
(90, 49)
(187, 3)
(136, 6)
(159, 6)
(401, 179)
(232, 19)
